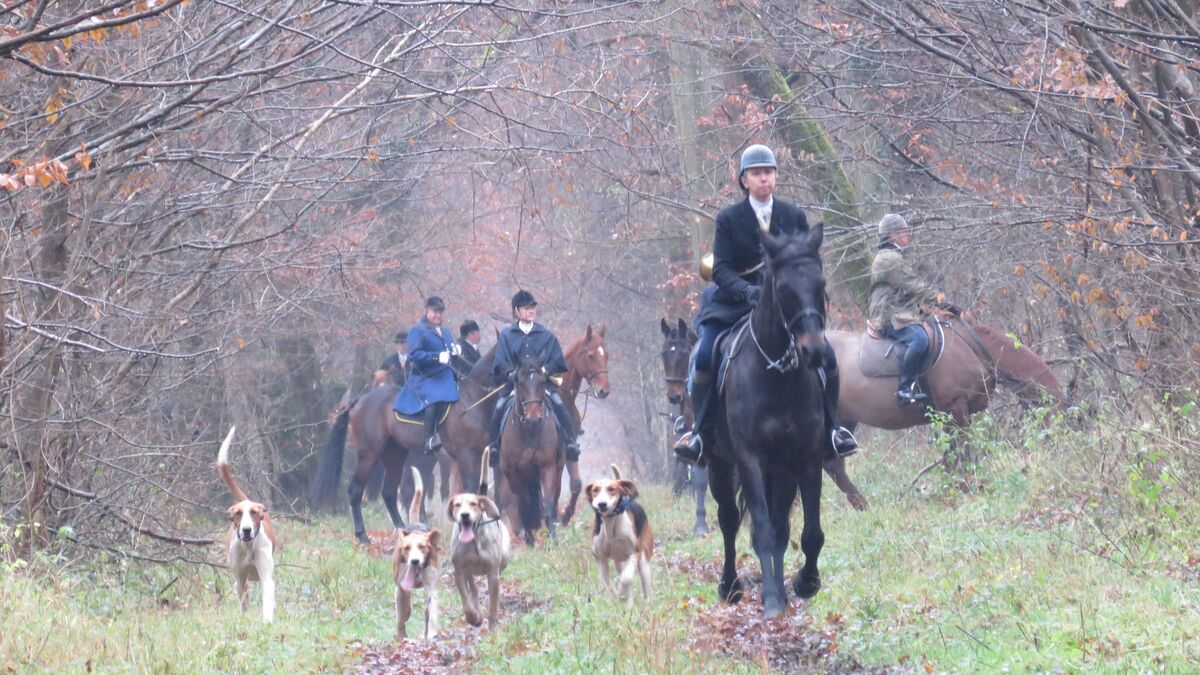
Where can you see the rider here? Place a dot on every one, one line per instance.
(395, 366)
(468, 341)
(430, 387)
(737, 272)
(897, 295)
(524, 338)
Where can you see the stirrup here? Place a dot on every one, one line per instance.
(433, 444)
(572, 451)
(690, 449)
(844, 442)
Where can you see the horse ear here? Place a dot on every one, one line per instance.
(589, 333)
(683, 328)
(600, 332)
(816, 235)
(666, 329)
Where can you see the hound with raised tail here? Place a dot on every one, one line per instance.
(480, 546)
(622, 534)
(251, 540)
(415, 565)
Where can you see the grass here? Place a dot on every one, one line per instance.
(1040, 560)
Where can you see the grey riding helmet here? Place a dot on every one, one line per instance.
(756, 156)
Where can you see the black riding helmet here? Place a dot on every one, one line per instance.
(523, 298)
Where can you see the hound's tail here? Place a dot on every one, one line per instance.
(414, 509)
(616, 471)
(223, 467)
(483, 469)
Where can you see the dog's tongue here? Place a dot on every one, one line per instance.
(409, 581)
(466, 533)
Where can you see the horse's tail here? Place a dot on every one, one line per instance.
(329, 468)
(531, 508)
(1019, 368)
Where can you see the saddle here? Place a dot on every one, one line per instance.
(879, 356)
(418, 419)
(728, 344)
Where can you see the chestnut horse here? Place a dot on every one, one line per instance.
(587, 360)
(531, 456)
(379, 436)
(974, 358)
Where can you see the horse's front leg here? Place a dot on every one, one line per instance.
(696, 487)
(782, 495)
(576, 487)
(551, 478)
(762, 530)
(391, 481)
(808, 580)
(721, 482)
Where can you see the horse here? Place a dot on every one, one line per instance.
(379, 435)
(531, 456)
(678, 342)
(974, 358)
(587, 360)
(771, 424)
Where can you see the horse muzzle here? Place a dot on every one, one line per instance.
(812, 349)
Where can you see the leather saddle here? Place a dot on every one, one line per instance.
(879, 356)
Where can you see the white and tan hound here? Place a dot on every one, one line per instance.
(415, 565)
(251, 540)
(622, 534)
(480, 546)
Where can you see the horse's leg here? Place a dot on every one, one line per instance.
(696, 486)
(393, 462)
(781, 496)
(721, 482)
(551, 485)
(836, 468)
(426, 466)
(762, 530)
(406, 486)
(576, 487)
(679, 477)
(808, 580)
(355, 492)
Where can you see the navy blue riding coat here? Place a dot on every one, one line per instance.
(514, 345)
(428, 380)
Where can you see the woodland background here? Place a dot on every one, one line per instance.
(217, 213)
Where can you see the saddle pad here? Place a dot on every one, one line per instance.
(881, 357)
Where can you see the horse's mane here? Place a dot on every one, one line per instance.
(1026, 373)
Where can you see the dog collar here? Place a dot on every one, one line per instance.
(622, 504)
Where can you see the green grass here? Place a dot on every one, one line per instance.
(1046, 560)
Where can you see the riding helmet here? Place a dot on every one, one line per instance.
(756, 156)
(523, 298)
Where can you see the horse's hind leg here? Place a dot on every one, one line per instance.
(836, 468)
(721, 482)
(393, 461)
(696, 487)
(808, 580)
(355, 492)
(576, 487)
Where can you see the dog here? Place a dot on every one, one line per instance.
(622, 534)
(252, 542)
(481, 546)
(415, 565)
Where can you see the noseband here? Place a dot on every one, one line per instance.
(790, 360)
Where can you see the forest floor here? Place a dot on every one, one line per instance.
(1025, 560)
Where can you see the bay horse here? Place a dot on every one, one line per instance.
(379, 436)
(531, 456)
(678, 342)
(974, 358)
(771, 437)
(587, 361)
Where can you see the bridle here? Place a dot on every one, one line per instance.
(790, 359)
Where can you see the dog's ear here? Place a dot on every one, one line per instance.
(233, 512)
(489, 507)
(433, 538)
(589, 491)
(628, 487)
(450, 509)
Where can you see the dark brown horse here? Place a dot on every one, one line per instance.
(974, 359)
(587, 361)
(678, 341)
(531, 457)
(378, 435)
(771, 437)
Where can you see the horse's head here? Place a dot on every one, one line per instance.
(530, 389)
(797, 288)
(677, 346)
(591, 361)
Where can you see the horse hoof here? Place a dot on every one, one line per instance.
(773, 608)
(858, 501)
(362, 538)
(474, 619)
(700, 530)
(806, 588)
(730, 593)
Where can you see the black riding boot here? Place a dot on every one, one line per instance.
(565, 428)
(690, 448)
(433, 440)
(842, 441)
(910, 392)
(497, 421)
